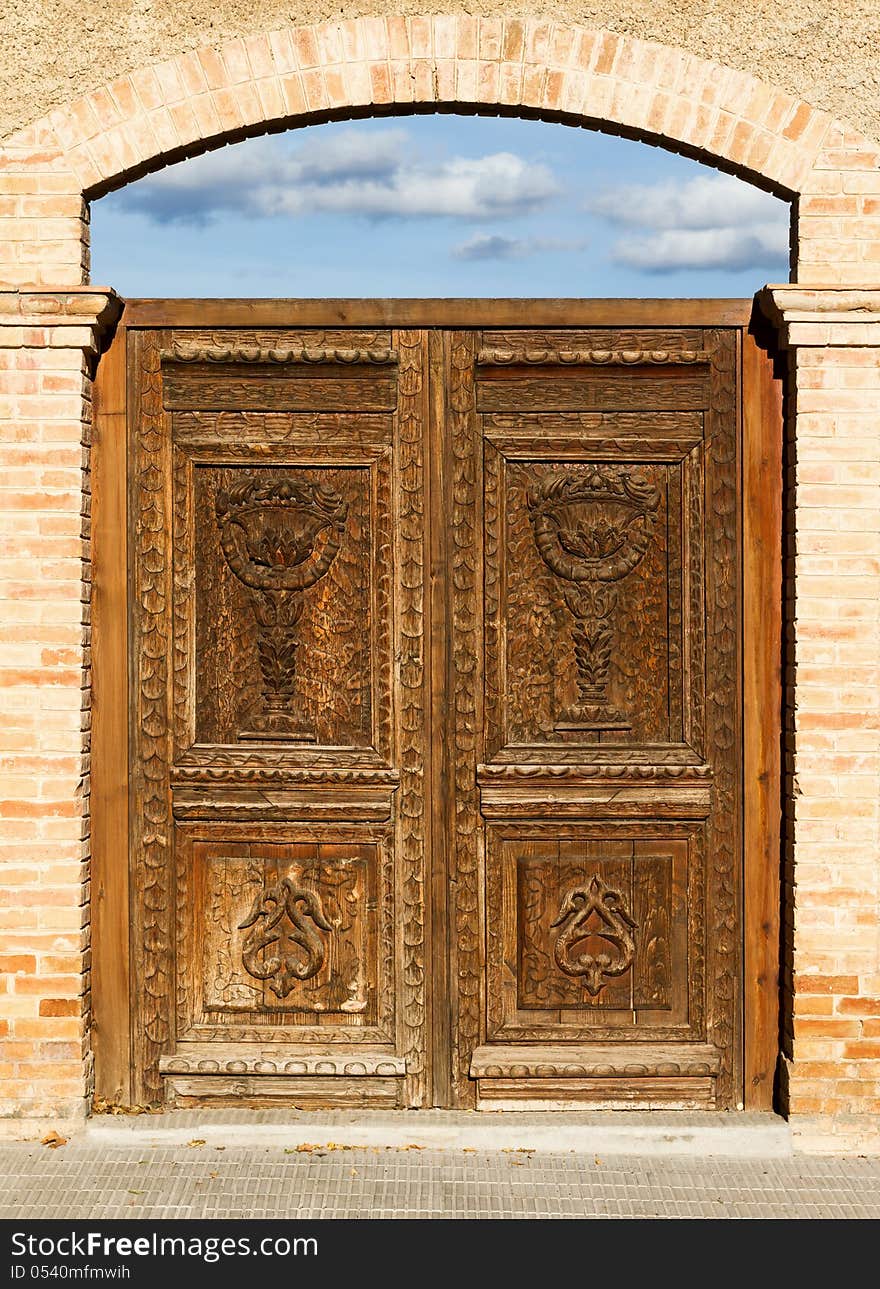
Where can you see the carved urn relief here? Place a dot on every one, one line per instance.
(279, 537)
(592, 529)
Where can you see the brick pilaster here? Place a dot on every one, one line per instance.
(48, 344)
(832, 875)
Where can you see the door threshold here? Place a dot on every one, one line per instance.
(614, 1132)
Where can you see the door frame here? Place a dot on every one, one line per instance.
(760, 433)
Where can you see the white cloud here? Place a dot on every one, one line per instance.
(708, 201)
(495, 246)
(351, 173)
(706, 248)
(710, 222)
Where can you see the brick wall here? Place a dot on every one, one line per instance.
(833, 700)
(526, 67)
(46, 345)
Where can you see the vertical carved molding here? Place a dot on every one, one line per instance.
(723, 716)
(493, 528)
(153, 654)
(383, 598)
(183, 713)
(698, 949)
(695, 604)
(412, 707)
(465, 553)
(675, 616)
(384, 725)
(183, 607)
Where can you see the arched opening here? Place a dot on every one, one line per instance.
(440, 205)
(551, 765)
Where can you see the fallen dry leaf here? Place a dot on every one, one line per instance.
(100, 1105)
(54, 1140)
(196, 1141)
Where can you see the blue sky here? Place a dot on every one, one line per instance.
(439, 206)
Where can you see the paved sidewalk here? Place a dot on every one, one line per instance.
(83, 1180)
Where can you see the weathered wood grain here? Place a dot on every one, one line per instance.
(436, 706)
(626, 319)
(762, 716)
(110, 978)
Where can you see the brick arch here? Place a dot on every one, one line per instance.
(297, 75)
(210, 95)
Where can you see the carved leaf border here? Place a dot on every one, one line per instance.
(412, 704)
(151, 815)
(466, 543)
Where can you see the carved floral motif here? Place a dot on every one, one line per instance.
(612, 923)
(279, 537)
(278, 919)
(592, 529)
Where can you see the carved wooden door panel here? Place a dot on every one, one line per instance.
(465, 838)
(279, 663)
(598, 746)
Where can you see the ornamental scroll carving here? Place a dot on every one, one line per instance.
(278, 920)
(594, 911)
(592, 529)
(279, 538)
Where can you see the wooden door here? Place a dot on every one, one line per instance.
(597, 812)
(279, 705)
(435, 734)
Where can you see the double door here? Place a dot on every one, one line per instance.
(435, 744)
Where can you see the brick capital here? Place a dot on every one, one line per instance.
(64, 318)
(833, 316)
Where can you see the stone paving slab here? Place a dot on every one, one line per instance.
(636, 1132)
(79, 1180)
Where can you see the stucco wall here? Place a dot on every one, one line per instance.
(826, 54)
